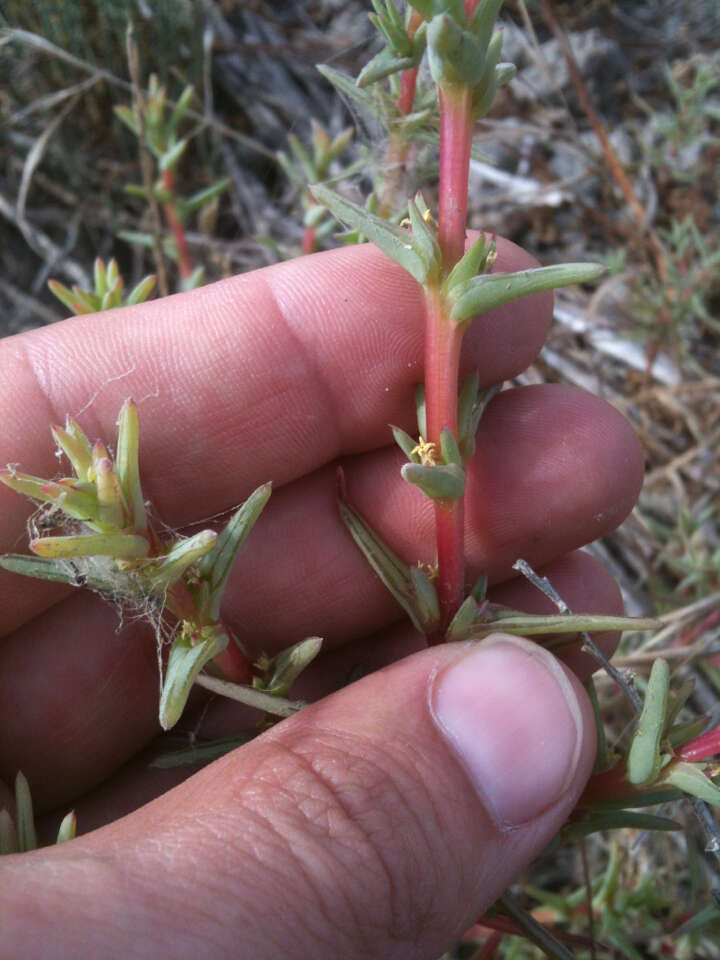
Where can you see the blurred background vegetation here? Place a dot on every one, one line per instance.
(613, 153)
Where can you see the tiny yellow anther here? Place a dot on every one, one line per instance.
(426, 451)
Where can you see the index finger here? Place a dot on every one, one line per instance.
(264, 376)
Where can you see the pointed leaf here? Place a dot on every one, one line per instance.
(128, 465)
(643, 763)
(63, 294)
(382, 65)
(425, 240)
(8, 834)
(436, 482)
(287, 666)
(386, 564)
(420, 410)
(68, 828)
(531, 625)
(449, 448)
(617, 820)
(44, 568)
(111, 511)
(467, 268)
(97, 545)
(165, 573)
(27, 838)
(73, 501)
(406, 443)
(189, 653)
(492, 290)
(199, 199)
(691, 779)
(427, 603)
(142, 291)
(461, 624)
(214, 568)
(395, 242)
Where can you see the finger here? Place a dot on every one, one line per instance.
(395, 812)
(113, 726)
(261, 377)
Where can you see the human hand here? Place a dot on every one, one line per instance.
(383, 820)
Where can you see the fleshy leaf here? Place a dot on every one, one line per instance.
(96, 545)
(189, 653)
(690, 779)
(406, 443)
(462, 623)
(531, 625)
(439, 482)
(382, 65)
(166, 572)
(493, 290)
(643, 764)
(428, 605)
(74, 501)
(286, 667)
(214, 568)
(473, 262)
(55, 570)
(127, 463)
(68, 828)
(395, 242)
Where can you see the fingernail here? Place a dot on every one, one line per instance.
(511, 716)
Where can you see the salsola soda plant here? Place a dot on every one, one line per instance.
(109, 543)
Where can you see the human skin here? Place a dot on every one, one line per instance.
(384, 819)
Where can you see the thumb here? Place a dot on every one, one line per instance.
(380, 822)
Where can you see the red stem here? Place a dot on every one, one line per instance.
(456, 129)
(176, 227)
(442, 357)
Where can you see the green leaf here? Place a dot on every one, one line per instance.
(643, 763)
(126, 115)
(81, 504)
(76, 447)
(169, 160)
(449, 448)
(27, 838)
(436, 482)
(492, 290)
(214, 568)
(68, 828)
(395, 242)
(127, 463)
(179, 110)
(473, 262)
(531, 625)
(421, 410)
(99, 277)
(202, 753)
(199, 199)
(44, 568)
(8, 834)
(386, 564)
(142, 291)
(617, 820)
(454, 55)
(63, 294)
(382, 65)
(189, 653)
(690, 778)
(286, 667)
(165, 572)
(119, 545)
(427, 603)
(424, 239)
(406, 443)
(482, 22)
(461, 624)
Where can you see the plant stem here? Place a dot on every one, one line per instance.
(456, 130)
(178, 231)
(442, 356)
(443, 338)
(398, 147)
